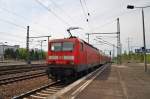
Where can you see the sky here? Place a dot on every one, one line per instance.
(54, 17)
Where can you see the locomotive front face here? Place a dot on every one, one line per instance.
(61, 53)
(61, 59)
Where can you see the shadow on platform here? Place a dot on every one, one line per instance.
(105, 74)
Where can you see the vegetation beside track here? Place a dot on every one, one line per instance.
(133, 57)
(21, 53)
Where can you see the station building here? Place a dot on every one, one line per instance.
(4, 47)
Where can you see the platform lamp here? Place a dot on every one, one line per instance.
(144, 42)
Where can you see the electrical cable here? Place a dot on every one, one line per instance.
(52, 12)
(58, 6)
(107, 42)
(10, 34)
(86, 8)
(9, 22)
(19, 26)
(20, 16)
(84, 12)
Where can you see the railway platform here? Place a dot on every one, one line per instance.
(128, 81)
(119, 82)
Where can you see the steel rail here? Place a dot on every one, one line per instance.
(10, 67)
(46, 91)
(20, 78)
(29, 93)
(88, 79)
(21, 70)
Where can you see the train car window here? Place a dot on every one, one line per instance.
(67, 46)
(81, 46)
(56, 47)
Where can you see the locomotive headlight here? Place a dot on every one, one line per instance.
(68, 57)
(53, 57)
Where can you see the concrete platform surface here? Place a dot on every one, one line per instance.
(127, 81)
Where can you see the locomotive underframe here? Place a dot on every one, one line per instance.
(61, 72)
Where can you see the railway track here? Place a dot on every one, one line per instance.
(21, 77)
(52, 88)
(5, 70)
(42, 92)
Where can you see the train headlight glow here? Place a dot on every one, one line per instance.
(53, 57)
(68, 57)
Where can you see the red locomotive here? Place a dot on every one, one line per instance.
(72, 56)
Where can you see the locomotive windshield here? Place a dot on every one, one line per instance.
(56, 47)
(65, 46)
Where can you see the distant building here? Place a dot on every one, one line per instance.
(4, 47)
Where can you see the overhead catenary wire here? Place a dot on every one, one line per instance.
(12, 35)
(61, 9)
(20, 16)
(52, 12)
(83, 9)
(13, 39)
(108, 37)
(19, 26)
(114, 18)
(86, 8)
(13, 13)
(107, 42)
(12, 23)
(86, 13)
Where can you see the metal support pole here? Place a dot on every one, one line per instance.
(118, 43)
(3, 53)
(144, 42)
(41, 44)
(120, 53)
(128, 40)
(48, 41)
(27, 46)
(113, 54)
(41, 50)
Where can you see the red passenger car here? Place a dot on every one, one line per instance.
(70, 57)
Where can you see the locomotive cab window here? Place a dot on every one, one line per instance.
(56, 47)
(67, 46)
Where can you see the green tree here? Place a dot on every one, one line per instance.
(22, 53)
(9, 53)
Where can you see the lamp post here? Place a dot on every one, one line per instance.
(144, 42)
(3, 52)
